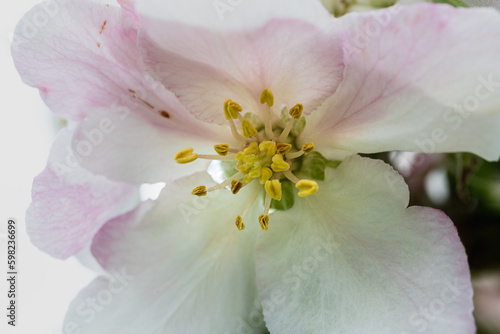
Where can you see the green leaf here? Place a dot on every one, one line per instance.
(456, 3)
(314, 165)
(382, 3)
(287, 197)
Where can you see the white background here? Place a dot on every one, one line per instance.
(27, 128)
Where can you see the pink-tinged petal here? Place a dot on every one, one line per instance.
(419, 78)
(353, 259)
(187, 268)
(82, 55)
(221, 15)
(69, 205)
(128, 6)
(299, 61)
(127, 146)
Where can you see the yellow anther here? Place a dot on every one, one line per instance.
(185, 156)
(279, 165)
(283, 148)
(308, 148)
(199, 191)
(239, 223)
(253, 148)
(231, 109)
(307, 187)
(236, 186)
(222, 149)
(265, 174)
(248, 178)
(268, 146)
(264, 222)
(248, 129)
(255, 172)
(273, 188)
(296, 112)
(267, 97)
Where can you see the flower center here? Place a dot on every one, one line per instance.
(264, 156)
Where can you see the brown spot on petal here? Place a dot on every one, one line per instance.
(164, 114)
(103, 26)
(132, 91)
(146, 103)
(98, 44)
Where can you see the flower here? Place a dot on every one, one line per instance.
(170, 81)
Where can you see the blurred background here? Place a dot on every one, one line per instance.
(27, 129)
(464, 186)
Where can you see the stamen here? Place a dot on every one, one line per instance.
(253, 148)
(239, 223)
(289, 175)
(248, 129)
(308, 148)
(279, 165)
(231, 109)
(252, 201)
(225, 183)
(236, 186)
(199, 191)
(185, 156)
(234, 131)
(268, 146)
(267, 204)
(296, 113)
(264, 222)
(215, 157)
(265, 174)
(222, 149)
(307, 187)
(267, 97)
(282, 148)
(273, 188)
(294, 155)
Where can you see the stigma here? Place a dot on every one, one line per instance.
(264, 154)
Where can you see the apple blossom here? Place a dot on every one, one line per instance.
(280, 91)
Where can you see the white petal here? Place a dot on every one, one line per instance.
(232, 14)
(353, 259)
(192, 270)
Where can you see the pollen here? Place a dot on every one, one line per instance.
(296, 111)
(279, 165)
(265, 174)
(185, 156)
(306, 187)
(231, 109)
(308, 148)
(236, 186)
(273, 188)
(269, 147)
(222, 149)
(248, 129)
(264, 222)
(239, 223)
(282, 148)
(199, 191)
(267, 97)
